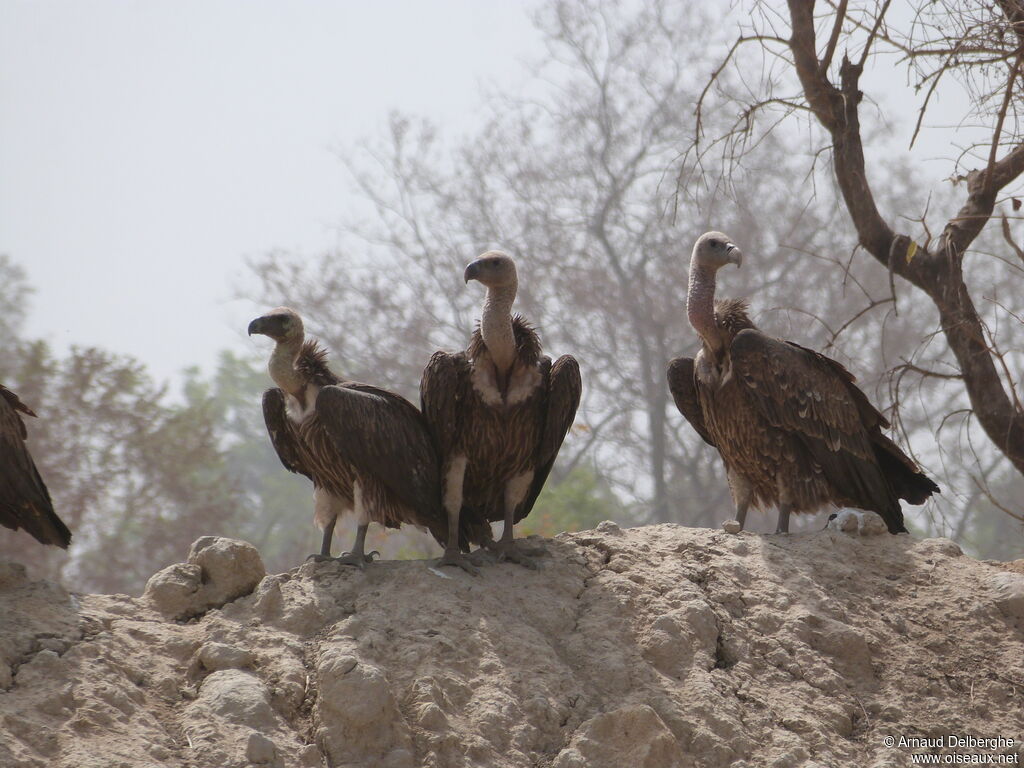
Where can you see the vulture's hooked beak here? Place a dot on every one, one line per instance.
(734, 255)
(472, 271)
(259, 325)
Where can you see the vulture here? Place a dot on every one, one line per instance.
(499, 412)
(793, 429)
(367, 450)
(24, 500)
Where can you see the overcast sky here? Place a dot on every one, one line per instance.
(146, 148)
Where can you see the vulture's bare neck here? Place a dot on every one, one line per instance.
(282, 366)
(700, 303)
(496, 327)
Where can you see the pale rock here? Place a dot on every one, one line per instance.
(872, 524)
(846, 520)
(633, 736)
(360, 719)
(259, 749)
(1008, 595)
(609, 527)
(231, 568)
(175, 591)
(237, 697)
(217, 656)
(732, 526)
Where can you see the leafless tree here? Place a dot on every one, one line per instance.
(810, 58)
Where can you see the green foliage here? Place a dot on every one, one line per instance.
(580, 501)
(135, 478)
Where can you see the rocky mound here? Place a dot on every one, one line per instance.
(646, 648)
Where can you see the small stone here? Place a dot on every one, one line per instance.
(732, 526)
(230, 568)
(872, 524)
(1008, 595)
(609, 527)
(174, 591)
(259, 749)
(215, 656)
(847, 521)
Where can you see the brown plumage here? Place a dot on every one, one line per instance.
(367, 450)
(24, 500)
(792, 427)
(499, 412)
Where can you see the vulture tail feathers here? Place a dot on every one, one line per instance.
(907, 481)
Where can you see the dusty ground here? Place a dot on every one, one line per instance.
(646, 648)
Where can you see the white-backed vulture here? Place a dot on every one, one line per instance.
(793, 429)
(367, 450)
(499, 412)
(24, 501)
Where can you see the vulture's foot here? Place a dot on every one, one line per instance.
(529, 550)
(512, 551)
(358, 559)
(459, 560)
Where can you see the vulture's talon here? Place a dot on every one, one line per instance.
(483, 556)
(459, 560)
(529, 550)
(358, 559)
(512, 552)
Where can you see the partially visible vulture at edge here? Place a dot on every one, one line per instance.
(499, 412)
(24, 500)
(367, 450)
(793, 429)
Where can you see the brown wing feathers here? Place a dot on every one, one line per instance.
(24, 500)
(814, 397)
(684, 392)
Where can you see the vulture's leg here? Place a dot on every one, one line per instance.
(784, 509)
(326, 508)
(453, 480)
(515, 492)
(325, 546)
(742, 494)
(358, 556)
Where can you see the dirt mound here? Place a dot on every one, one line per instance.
(648, 647)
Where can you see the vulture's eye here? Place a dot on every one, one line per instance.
(715, 244)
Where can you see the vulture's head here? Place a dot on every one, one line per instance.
(494, 269)
(281, 324)
(713, 250)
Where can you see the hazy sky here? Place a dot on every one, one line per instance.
(147, 147)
